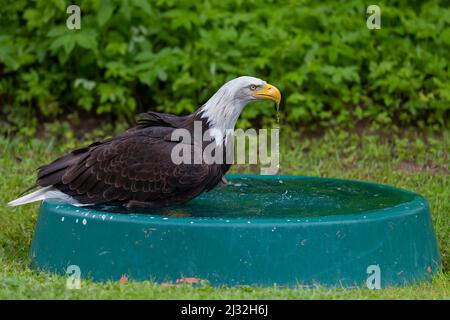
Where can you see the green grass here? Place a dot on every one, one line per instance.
(417, 162)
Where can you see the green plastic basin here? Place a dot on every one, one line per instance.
(257, 230)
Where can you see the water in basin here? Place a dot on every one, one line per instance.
(282, 197)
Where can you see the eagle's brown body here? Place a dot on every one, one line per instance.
(134, 168)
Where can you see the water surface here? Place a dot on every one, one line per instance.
(246, 197)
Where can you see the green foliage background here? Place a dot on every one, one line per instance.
(168, 55)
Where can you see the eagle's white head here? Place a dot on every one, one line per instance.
(223, 109)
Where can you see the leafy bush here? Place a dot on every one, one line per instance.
(171, 55)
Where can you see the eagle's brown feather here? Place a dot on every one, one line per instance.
(134, 168)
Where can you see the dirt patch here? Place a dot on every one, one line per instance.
(428, 167)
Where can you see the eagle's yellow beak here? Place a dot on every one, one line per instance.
(268, 92)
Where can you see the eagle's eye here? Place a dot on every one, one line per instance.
(253, 87)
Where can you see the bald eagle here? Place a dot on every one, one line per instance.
(136, 169)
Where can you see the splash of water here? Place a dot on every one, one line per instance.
(278, 128)
(278, 115)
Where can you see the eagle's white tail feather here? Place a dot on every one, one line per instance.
(45, 193)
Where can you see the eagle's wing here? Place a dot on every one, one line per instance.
(151, 118)
(133, 167)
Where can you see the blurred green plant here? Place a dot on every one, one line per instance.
(170, 56)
